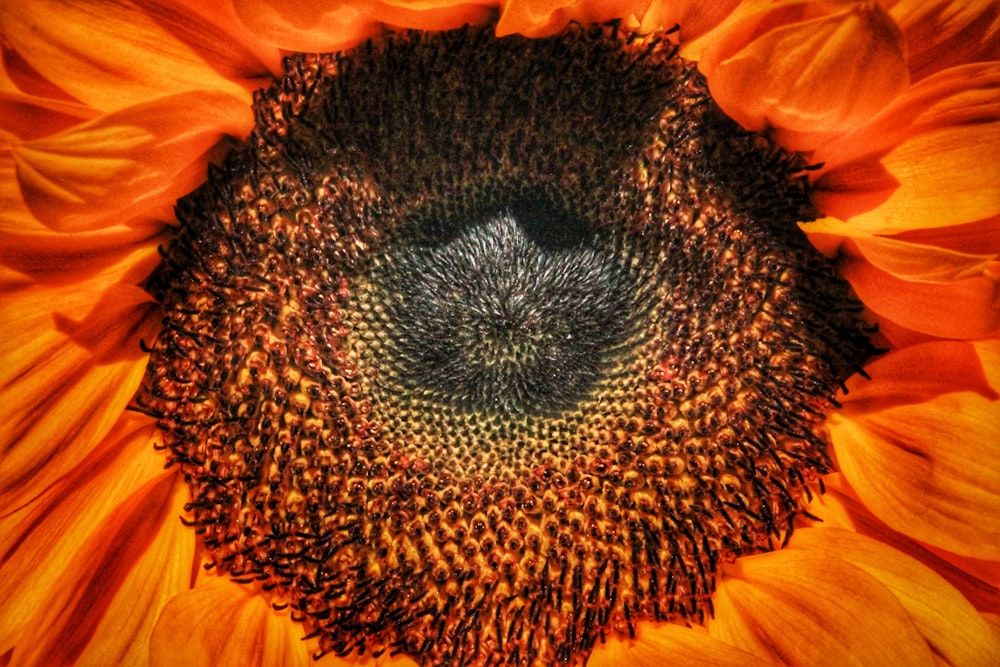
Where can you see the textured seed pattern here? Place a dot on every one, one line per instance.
(357, 370)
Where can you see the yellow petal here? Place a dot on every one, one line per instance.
(221, 624)
(41, 541)
(809, 608)
(110, 55)
(928, 160)
(942, 33)
(952, 626)
(538, 18)
(669, 643)
(803, 67)
(103, 609)
(930, 470)
(128, 164)
(72, 361)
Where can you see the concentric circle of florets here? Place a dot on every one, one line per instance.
(481, 349)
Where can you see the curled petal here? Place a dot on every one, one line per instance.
(925, 161)
(111, 55)
(941, 33)
(72, 362)
(930, 469)
(134, 163)
(538, 18)
(669, 643)
(802, 607)
(804, 67)
(951, 625)
(225, 625)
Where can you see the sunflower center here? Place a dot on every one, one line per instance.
(516, 314)
(481, 349)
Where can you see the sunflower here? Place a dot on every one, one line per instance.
(882, 120)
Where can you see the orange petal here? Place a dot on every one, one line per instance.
(431, 14)
(803, 67)
(807, 608)
(110, 55)
(693, 18)
(307, 25)
(18, 76)
(538, 18)
(926, 161)
(919, 374)
(72, 361)
(26, 117)
(941, 33)
(952, 626)
(120, 254)
(215, 33)
(981, 236)
(41, 541)
(899, 258)
(669, 643)
(929, 470)
(103, 609)
(966, 308)
(839, 507)
(222, 624)
(127, 164)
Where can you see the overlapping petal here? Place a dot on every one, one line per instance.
(131, 164)
(225, 626)
(951, 625)
(105, 602)
(333, 25)
(941, 33)
(72, 361)
(40, 542)
(691, 17)
(669, 643)
(927, 289)
(839, 507)
(112, 55)
(538, 18)
(926, 161)
(806, 69)
(923, 456)
(807, 607)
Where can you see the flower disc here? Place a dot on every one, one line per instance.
(481, 349)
